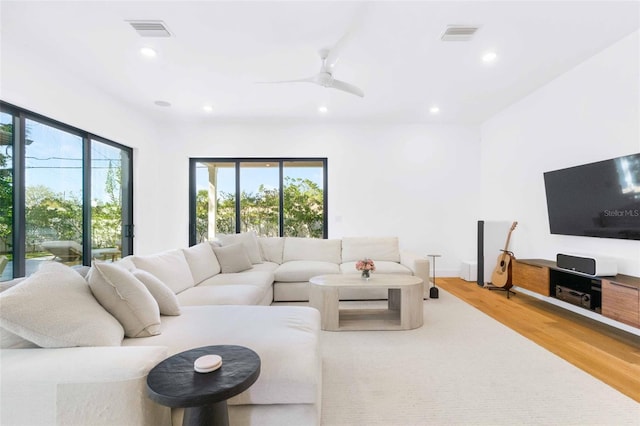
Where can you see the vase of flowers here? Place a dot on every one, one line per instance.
(366, 267)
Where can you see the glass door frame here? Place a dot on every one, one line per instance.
(193, 238)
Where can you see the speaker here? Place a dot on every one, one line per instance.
(491, 238)
(588, 265)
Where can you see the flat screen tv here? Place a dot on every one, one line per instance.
(599, 199)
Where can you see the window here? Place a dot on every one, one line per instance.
(66, 194)
(273, 197)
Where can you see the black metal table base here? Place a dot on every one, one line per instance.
(215, 414)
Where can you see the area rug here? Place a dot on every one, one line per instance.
(461, 368)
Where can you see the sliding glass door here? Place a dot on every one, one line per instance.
(110, 208)
(66, 195)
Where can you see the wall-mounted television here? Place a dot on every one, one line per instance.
(599, 199)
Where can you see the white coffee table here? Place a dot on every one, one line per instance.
(404, 306)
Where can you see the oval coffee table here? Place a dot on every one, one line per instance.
(404, 306)
(174, 383)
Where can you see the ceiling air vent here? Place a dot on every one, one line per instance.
(150, 28)
(458, 33)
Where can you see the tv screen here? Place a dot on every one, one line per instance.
(599, 199)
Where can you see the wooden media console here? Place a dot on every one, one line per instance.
(616, 297)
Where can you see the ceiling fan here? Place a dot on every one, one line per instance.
(324, 77)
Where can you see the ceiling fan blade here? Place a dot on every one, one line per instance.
(299, 80)
(334, 52)
(346, 87)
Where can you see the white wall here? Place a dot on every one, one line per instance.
(417, 182)
(589, 114)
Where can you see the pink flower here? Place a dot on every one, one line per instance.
(365, 265)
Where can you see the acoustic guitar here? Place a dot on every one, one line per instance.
(500, 276)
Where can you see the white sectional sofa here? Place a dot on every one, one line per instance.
(299, 259)
(77, 344)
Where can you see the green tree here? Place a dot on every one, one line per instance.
(106, 216)
(225, 213)
(303, 210)
(113, 183)
(259, 211)
(52, 216)
(106, 224)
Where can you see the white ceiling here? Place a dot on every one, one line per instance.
(219, 50)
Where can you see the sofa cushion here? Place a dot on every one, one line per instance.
(271, 249)
(302, 270)
(382, 267)
(170, 267)
(376, 248)
(312, 249)
(285, 337)
(126, 298)
(202, 261)
(232, 258)
(9, 340)
(261, 279)
(165, 298)
(54, 308)
(248, 239)
(265, 266)
(221, 295)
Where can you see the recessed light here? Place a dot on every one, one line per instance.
(489, 57)
(207, 108)
(434, 110)
(323, 109)
(162, 103)
(148, 52)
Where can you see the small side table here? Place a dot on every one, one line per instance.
(433, 291)
(174, 383)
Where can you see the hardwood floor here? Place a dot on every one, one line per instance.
(607, 353)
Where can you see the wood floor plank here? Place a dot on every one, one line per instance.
(607, 353)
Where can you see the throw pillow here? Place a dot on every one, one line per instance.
(248, 239)
(232, 258)
(202, 262)
(126, 298)
(170, 267)
(54, 308)
(166, 299)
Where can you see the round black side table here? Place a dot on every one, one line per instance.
(174, 383)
